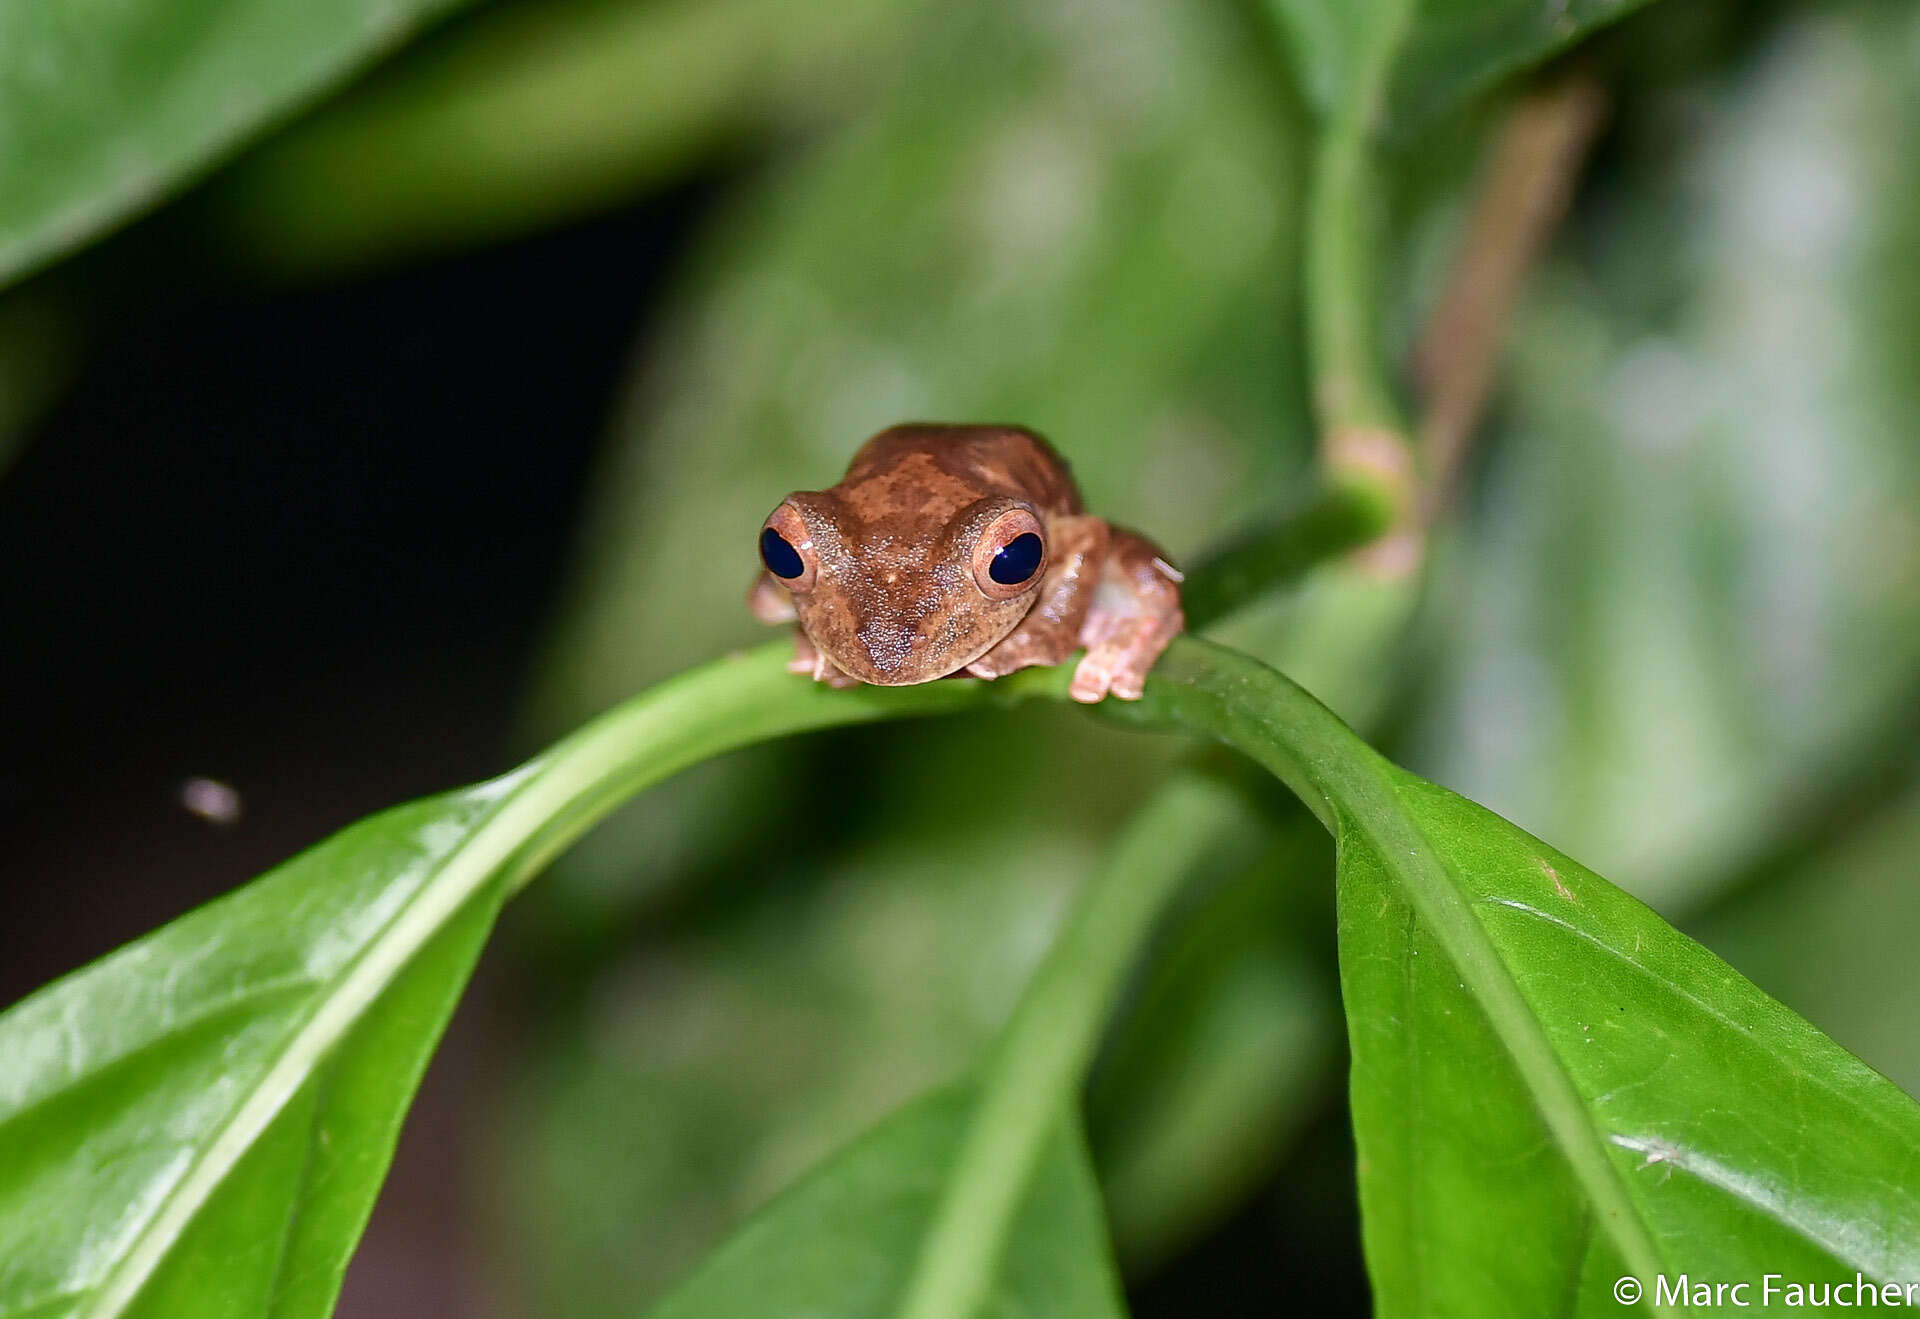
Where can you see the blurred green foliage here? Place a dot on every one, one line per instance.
(537, 113)
(1594, 662)
(108, 108)
(1679, 599)
(1692, 577)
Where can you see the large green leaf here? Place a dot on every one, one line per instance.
(104, 108)
(1552, 1086)
(1563, 1082)
(842, 1241)
(199, 1123)
(1447, 49)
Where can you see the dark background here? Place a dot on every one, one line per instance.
(300, 542)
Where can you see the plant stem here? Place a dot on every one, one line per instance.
(705, 712)
(1337, 517)
(1033, 1077)
(1350, 390)
(1364, 441)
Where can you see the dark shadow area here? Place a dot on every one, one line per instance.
(1292, 1249)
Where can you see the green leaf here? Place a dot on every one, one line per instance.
(1551, 1085)
(1700, 1127)
(842, 1240)
(199, 1122)
(106, 108)
(1449, 49)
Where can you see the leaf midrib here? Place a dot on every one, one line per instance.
(1446, 912)
(342, 999)
(1323, 760)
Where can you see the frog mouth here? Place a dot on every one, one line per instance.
(890, 654)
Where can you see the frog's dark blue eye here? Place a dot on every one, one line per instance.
(1018, 561)
(782, 559)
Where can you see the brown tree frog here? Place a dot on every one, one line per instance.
(950, 549)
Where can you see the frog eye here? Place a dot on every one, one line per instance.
(786, 547)
(1010, 555)
(1018, 561)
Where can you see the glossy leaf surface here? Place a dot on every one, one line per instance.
(1551, 1085)
(1637, 1098)
(199, 1123)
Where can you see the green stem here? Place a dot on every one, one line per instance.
(1351, 393)
(705, 712)
(1033, 1077)
(1338, 517)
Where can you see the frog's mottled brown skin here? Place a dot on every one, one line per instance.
(894, 597)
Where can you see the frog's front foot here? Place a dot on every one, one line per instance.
(1135, 615)
(1118, 660)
